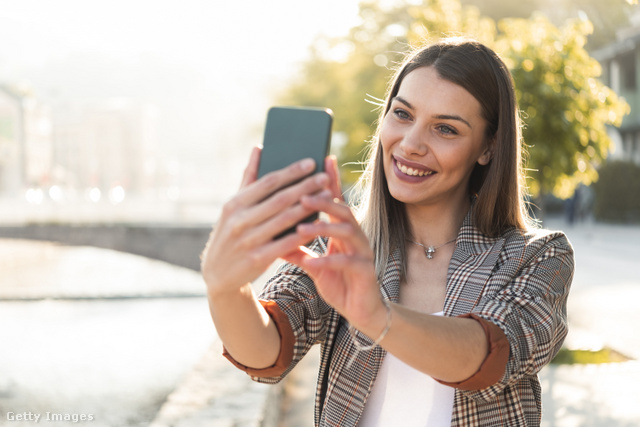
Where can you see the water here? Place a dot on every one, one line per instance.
(114, 359)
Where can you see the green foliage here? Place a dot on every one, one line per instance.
(604, 355)
(498, 9)
(617, 192)
(607, 17)
(566, 108)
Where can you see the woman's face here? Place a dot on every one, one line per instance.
(432, 136)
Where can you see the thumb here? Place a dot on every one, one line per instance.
(331, 167)
(251, 171)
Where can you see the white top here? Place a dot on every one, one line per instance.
(404, 396)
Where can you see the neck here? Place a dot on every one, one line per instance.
(436, 224)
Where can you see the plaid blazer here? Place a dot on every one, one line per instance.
(519, 281)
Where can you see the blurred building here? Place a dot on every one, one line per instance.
(620, 71)
(25, 141)
(105, 146)
(102, 149)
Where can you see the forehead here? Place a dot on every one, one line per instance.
(425, 89)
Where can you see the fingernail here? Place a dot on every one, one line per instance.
(321, 179)
(307, 164)
(303, 228)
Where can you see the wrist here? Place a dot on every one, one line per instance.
(378, 325)
(221, 293)
(361, 345)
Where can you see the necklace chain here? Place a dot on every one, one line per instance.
(429, 251)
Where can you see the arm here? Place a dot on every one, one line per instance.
(530, 307)
(242, 246)
(448, 349)
(245, 328)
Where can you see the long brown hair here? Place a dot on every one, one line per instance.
(498, 187)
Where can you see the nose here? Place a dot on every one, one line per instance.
(415, 142)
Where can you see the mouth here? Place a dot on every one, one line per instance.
(413, 169)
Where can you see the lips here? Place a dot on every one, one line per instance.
(412, 169)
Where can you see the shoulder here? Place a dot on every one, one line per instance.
(539, 247)
(536, 239)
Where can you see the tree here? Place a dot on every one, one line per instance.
(566, 107)
(344, 73)
(607, 17)
(498, 9)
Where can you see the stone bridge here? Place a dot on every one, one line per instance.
(176, 244)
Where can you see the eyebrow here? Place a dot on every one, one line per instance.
(437, 116)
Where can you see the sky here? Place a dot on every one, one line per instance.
(210, 66)
(195, 31)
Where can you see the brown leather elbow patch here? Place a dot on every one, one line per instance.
(287, 340)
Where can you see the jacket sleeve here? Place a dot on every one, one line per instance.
(526, 297)
(300, 315)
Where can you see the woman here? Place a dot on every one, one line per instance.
(440, 303)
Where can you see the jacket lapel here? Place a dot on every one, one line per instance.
(390, 287)
(471, 265)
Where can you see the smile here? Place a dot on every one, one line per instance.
(411, 171)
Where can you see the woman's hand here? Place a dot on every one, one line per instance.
(345, 276)
(242, 246)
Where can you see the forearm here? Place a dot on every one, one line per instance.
(245, 328)
(449, 349)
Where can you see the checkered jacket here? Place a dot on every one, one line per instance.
(519, 281)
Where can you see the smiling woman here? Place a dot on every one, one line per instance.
(438, 136)
(439, 302)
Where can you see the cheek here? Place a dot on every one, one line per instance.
(388, 136)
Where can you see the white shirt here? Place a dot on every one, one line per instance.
(404, 396)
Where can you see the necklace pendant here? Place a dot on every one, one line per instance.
(430, 251)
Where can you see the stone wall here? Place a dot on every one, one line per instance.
(175, 244)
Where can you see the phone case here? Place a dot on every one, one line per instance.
(292, 134)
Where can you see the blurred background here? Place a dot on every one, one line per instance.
(122, 103)
(125, 125)
(119, 109)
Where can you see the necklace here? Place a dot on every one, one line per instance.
(430, 250)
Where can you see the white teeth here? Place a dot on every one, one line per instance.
(412, 172)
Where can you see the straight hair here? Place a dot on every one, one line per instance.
(498, 188)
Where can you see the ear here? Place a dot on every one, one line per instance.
(487, 154)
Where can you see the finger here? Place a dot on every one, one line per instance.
(331, 166)
(272, 182)
(335, 208)
(272, 227)
(281, 248)
(338, 262)
(351, 239)
(251, 171)
(298, 255)
(284, 199)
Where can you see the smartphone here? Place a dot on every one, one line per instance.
(292, 134)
